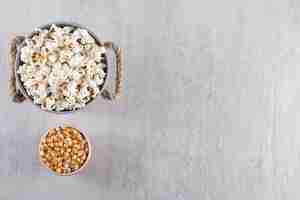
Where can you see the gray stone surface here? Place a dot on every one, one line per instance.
(210, 109)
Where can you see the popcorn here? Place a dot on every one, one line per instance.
(98, 80)
(67, 29)
(72, 89)
(96, 53)
(76, 60)
(42, 91)
(62, 68)
(37, 41)
(86, 37)
(52, 57)
(26, 54)
(51, 45)
(76, 75)
(49, 103)
(84, 92)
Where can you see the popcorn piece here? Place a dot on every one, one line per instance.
(67, 29)
(49, 103)
(52, 57)
(76, 60)
(51, 45)
(37, 41)
(26, 54)
(65, 55)
(86, 37)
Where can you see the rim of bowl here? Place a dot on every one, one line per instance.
(18, 63)
(79, 169)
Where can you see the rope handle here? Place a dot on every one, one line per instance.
(15, 93)
(119, 72)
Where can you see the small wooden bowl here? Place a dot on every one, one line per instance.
(74, 172)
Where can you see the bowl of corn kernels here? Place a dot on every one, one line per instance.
(64, 150)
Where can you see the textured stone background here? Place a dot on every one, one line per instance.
(211, 106)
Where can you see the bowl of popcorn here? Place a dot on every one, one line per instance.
(62, 67)
(64, 150)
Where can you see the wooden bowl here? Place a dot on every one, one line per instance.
(74, 172)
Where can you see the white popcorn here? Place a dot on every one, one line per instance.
(29, 42)
(100, 72)
(29, 83)
(99, 80)
(49, 103)
(37, 41)
(52, 57)
(86, 37)
(67, 29)
(44, 70)
(72, 88)
(84, 92)
(76, 75)
(96, 53)
(62, 68)
(65, 55)
(51, 45)
(76, 60)
(71, 100)
(26, 54)
(67, 41)
(37, 100)
(42, 91)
